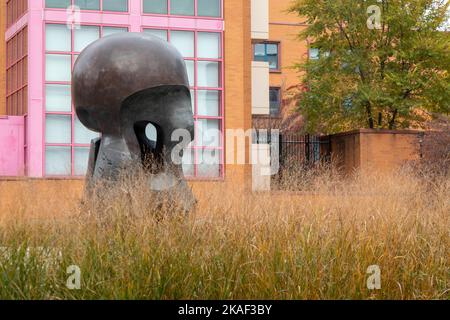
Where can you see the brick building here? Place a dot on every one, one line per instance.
(238, 55)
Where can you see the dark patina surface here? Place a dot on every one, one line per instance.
(120, 85)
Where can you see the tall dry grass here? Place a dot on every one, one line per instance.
(316, 244)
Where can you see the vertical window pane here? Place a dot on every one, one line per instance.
(107, 31)
(208, 163)
(208, 74)
(81, 159)
(182, 7)
(58, 129)
(58, 98)
(57, 3)
(184, 42)
(83, 135)
(274, 95)
(155, 6)
(85, 36)
(209, 8)
(58, 161)
(115, 5)
(193, 101)
(58, 67)
(162, 34)
(208, 133)
(190, 71)
(208, 45)
(58, 38)
(272, 55)
(208, 103)
(88, 4)
(188, 162)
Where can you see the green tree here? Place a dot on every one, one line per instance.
(383, 64)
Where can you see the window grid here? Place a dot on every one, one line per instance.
(17, 73)
(72, 3)
(219, 17)
(15, 10)
(196, 147)
(73, 54)
(266, 56)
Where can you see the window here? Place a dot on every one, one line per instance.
(88, 4)
(275, 101)
(182, 7)
(162, 34)
(267, 52)
(67, 141)
(155, 6)
(202, 52)
(115, 5)
(107, 5)
(200, 8)
(314, 53)
(17, 73)
(209, 8)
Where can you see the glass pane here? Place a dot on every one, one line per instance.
(182, 7)
(260, 50)
(190, 71)
(184, 42)
(58, 98)
(208, 133)
(274, 101)
(272, 49)
(208, 45)
(58, 129)
(57, 3)
(155, 6)
(208, 163)
(81, 159)
(208, 103)
(83, 135)
(208, 74)
(58, 161)
(58, 67)
(84, 36)
(208, 8)
(273, 62)
(88, 4)
(272, 56)
(162, 34)
(188, 162)
(115, 5)
(193, 101)
(107, 31)
(58, 38)
(314, 53)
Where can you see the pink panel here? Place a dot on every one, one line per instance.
(35, 118)
(12, 146)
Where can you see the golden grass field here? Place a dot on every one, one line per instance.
(314, 244)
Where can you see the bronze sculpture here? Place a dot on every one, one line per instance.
(121, 84)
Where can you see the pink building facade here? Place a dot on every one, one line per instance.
(50, 141)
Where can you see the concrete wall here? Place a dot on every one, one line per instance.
(11, 146)
(375, 150)
(2, 58)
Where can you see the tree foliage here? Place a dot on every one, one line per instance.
(377, 76)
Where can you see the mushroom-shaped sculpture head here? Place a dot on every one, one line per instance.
(113, 68)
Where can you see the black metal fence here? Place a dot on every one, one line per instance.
(295, 150)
